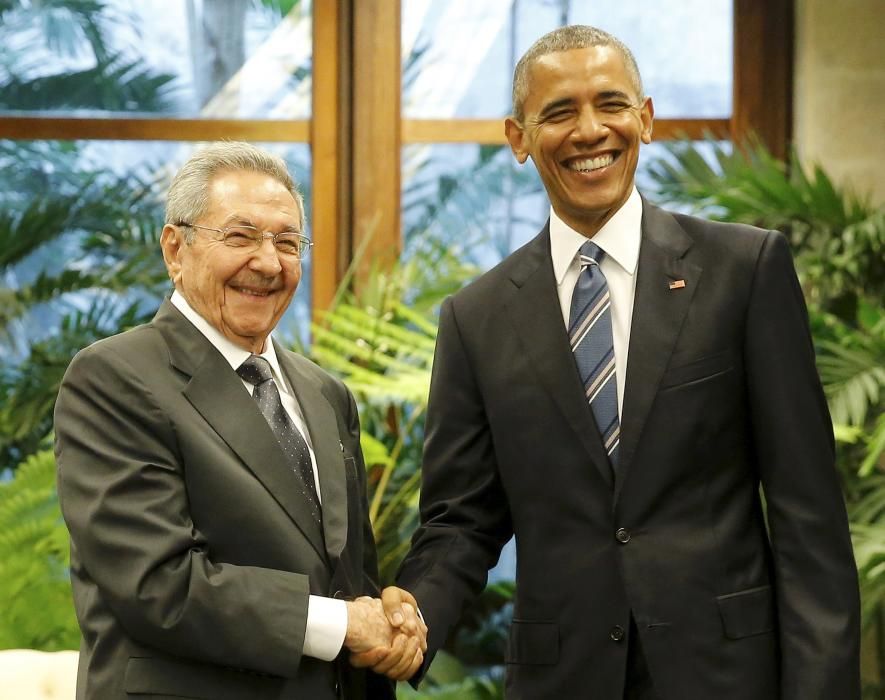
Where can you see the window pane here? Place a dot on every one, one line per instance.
(473, 199)
(82, 222)
(459, 55)
(175, 58)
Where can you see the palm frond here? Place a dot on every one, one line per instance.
(114, 85)
(41, 220)
(875, 449)
(30, 387)
(854, 380)
(868, 508)
(869, 551)
(34, 558)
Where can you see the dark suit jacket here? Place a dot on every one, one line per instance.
(192, 553)
(721, 396)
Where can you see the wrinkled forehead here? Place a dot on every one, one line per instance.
(246, 195)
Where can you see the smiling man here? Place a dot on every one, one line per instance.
(614, 394)
(213, 482)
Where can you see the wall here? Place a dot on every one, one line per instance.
(839, 94)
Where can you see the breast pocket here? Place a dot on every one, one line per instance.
(698, 370)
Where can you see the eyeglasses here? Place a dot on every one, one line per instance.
(249, 239)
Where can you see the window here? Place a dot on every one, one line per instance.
(400, 78)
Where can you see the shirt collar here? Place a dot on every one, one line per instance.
(619, 238)
(232, 353)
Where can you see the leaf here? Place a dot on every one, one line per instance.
(38, 610)
(875, 448)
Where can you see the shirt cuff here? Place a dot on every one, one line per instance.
(326, 627)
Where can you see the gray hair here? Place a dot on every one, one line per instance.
(188, 197)
(574, 36)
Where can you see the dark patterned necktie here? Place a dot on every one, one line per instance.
(590, 335)
(256, 371)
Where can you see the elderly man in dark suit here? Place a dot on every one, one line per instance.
(213, 482)
(615, 394)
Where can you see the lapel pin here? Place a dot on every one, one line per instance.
(676, 284)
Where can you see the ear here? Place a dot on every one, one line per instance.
(647, 115)
(515, 134)
(172, 244)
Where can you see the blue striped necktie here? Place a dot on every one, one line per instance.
(590, 335)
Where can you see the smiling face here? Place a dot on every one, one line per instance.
(241, 293)
(582, 128)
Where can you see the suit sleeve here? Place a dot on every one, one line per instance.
(816, 578)
(122, 491)
(465, 520)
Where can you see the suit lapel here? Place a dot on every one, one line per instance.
(218, 395)
(323, 428)
(535, 313)
(658, 314)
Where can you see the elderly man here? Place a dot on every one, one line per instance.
(213, 482)
(614, 394)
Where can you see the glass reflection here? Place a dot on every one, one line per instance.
(81, 224)
(459, 55)
(176, 58)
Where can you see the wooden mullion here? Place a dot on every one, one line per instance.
(330, 143)
(763, 72)
(376, 114)
(137, 129)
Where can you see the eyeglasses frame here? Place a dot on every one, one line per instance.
(304, 240)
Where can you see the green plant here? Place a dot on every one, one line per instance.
(37, 610)
(77, 242)
(382, 346)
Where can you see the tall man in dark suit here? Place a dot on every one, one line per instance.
(614, 394)
(213, 481)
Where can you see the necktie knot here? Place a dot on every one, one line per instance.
(255, 370)
(591, 254)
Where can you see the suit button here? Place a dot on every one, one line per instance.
(617, 633)
(622, 535)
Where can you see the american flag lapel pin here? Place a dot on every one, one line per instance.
(676, 284)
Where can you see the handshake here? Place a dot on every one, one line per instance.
(386, 635)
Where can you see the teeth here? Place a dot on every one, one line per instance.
(253, 292)
(588, 164)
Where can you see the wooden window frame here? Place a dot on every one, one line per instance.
(356, 130)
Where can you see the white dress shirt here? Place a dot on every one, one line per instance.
(326, 617)
(619, 238)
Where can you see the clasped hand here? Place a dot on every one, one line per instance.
(386, 634)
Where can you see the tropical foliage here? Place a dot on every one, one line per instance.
(34, 560)
(77, 242)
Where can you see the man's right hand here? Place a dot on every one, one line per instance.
(367, 626)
